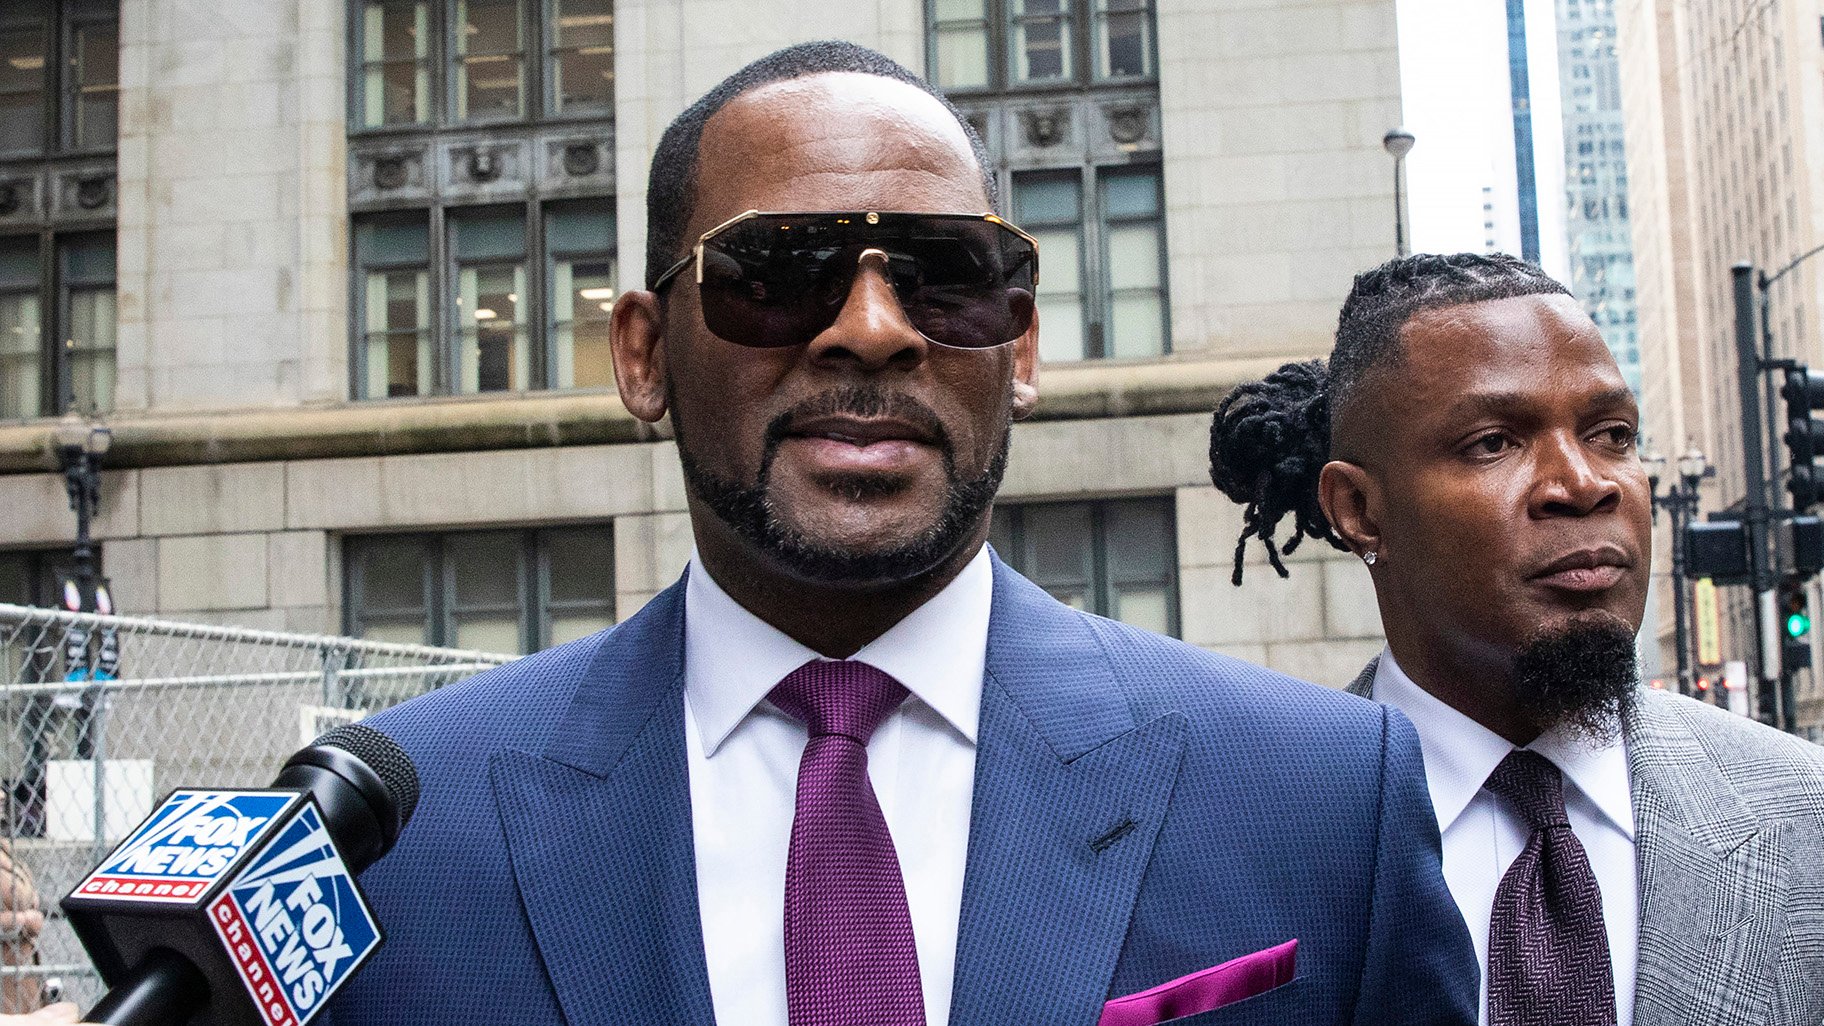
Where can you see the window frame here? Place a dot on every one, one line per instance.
(444, 322)
(58, 21)
(1101, 584)
(54, 287)
(1083, 20)
(440, 610)
(1094, 282)
(537, 54)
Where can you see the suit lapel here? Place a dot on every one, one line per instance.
(1363, 684)
(599, 834)
(1070, 793)
(1712, 895)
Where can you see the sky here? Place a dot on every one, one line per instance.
(1455, 86)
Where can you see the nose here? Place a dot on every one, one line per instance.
(1571, 480)
(872, 330)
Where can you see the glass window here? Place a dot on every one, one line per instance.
(1049, 205)
(1124, 38)
(582, 56)
(23, 50)
(1134, 236)
(489, 60)
(582, 276)
(88, 298)
(1114, 558)
(960, 38)
(1040, 39)
(395, 62)
(21, 334)
(95, 84)
(396, 357)
(493, 354)
(496, 591)
(579, 569)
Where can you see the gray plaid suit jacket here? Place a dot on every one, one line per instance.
(1729, 844)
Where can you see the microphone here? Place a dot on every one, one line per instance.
(240, 907)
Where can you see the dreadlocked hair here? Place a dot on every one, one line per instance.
(1271, 438)
(1268, 443)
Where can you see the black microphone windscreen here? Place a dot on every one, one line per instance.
(388, 761)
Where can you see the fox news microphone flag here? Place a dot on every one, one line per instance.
(240, 908)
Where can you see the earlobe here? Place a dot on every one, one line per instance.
(1026, 371)
(636, 331)
(1349, 495)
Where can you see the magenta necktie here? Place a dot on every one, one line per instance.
(1548, 948)
(849, 956)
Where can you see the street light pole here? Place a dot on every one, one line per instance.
(1680, 500)
(80, 446)
(1399, 142)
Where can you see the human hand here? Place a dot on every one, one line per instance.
(52, 1015)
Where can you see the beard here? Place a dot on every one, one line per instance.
(1581, 676)
(749, 512)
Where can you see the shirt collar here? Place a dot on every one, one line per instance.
(1460, 753)
(732, 658)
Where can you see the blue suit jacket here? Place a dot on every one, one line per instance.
(1142, 810)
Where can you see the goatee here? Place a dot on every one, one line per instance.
(1581, 676)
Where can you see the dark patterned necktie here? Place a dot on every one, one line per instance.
(849, 956)
(1548, 949)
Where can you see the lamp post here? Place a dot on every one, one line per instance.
(1680, 499)
(80, 446)
(1399, 142)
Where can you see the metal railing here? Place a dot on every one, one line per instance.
(105, 714)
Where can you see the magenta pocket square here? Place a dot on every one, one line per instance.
(1205, 990)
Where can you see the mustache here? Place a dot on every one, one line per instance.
(856, 401)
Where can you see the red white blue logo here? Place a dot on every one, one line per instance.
(184, 847)
(294, 922)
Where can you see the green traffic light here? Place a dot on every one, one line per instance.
(1797, 625)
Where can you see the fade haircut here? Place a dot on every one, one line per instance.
(1271, 438)
(671, 191)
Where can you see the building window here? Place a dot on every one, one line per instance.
(66, 360)
(35, 577)
(1102, 290)
(1115, 558)
(492, 591)
(491, 320)
(490, 51)
(59, 76)
(1013, 44)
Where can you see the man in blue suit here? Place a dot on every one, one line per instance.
(852, 768)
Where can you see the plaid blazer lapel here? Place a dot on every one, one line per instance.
(1363, 684)
(1712, 883)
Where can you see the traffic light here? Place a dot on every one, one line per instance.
(1804, 392)
(1795, 625)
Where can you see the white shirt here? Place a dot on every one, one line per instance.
(743, 758)
(1483, 835)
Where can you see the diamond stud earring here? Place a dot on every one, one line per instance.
(1370, 556)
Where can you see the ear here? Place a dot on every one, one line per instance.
(1026, 371)
(1351, 499)
(636, 334)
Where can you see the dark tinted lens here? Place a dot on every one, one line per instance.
(780, 280)
(964, 283)
(765, 286)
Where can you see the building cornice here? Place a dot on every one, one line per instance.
(545, 419)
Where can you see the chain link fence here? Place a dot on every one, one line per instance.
(106, 714)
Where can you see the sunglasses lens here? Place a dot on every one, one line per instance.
(780, 280)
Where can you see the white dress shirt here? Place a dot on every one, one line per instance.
(743, 757)
(1483, 835)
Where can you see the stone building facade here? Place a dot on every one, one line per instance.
(314, 203)
(1725, 152)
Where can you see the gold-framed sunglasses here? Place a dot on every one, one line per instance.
(769, 280)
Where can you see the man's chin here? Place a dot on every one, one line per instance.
(1578, 672)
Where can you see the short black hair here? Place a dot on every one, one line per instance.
(1272, 437)
(671, 191)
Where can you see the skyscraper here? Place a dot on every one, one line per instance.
(1601, 255)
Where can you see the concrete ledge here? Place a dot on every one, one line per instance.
(1190, 384)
